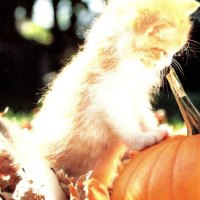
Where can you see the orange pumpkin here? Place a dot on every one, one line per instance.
(167, 171)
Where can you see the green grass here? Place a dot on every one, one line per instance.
(20, 117)
(176, 123)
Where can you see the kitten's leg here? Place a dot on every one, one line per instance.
(107, 169)
(133, 136)
(145, 139)
(131, 130)
(19, 144)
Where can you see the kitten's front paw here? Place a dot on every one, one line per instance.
(149, 138)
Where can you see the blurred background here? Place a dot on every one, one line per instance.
(38, 37)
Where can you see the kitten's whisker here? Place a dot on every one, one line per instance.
(187, 57)
(195, 46)
(162, 77)
(176, 65)
(179, 67)
(192, 46)
(174, 61)
(193, 52)
(194, 41)
(165, 83)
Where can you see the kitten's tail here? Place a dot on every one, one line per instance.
(8, 136)
(17, 142)
(20, 145)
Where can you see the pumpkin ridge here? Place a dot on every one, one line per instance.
(128, 184)
(165, 172)
(179, 145)
(161, 152)
(146, 154)
(154, 164)
(125, 173)
(186, 169)
(135, 168)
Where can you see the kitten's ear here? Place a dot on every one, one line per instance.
(150, 24)
(161, 29)
(190, 6)
(145, 22)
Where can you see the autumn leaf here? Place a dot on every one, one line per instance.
(73, 193)
(95, 190)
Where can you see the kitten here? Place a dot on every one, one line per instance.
(99, 104)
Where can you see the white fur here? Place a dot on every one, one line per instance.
(101, 100)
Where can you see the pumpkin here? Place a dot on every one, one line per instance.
(166, 171)
(169, 170)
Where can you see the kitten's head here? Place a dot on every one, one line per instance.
(150, 30)
(162, 29)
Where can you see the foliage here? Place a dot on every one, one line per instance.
(28, 51)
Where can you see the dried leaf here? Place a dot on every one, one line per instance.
(31, 195)
(8, 173)
(95, 190)
(6, 196)
(73, 193)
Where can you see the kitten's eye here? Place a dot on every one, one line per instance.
(159, 52)
(164, 53)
